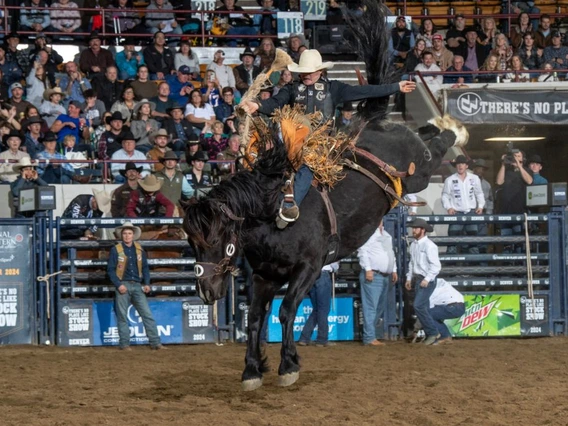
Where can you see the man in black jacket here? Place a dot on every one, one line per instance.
(246, 72)
(108, 87)
(179, 128)
(473, 53)
(159, 58)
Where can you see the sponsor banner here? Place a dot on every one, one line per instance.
(93, 322)
(534, 316)
(341, 321)
(479, 106)
(17, 316)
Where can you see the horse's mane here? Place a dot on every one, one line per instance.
(252, 195)
(371, 39)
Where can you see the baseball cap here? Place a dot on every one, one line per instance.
(437, 37)
(16, 86)
(184, 69)
(76, 104)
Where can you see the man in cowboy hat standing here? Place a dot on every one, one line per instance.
(346, 117)
(535, 166)
(32, 140)
(462, 195)
(85, 206)
(121, 195)
(95, 60)
(129, 271)
(12, 140)
(317, 93)
(422, 271)
(28, 178)
(174, 183)
(246, 72)
(160, 140)
(147, 200)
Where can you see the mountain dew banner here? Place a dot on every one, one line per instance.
(501, 315)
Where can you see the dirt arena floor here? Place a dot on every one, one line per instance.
(490, 382)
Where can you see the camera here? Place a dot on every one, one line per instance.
(510, 154)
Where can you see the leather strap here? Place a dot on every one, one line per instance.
(330, 211)
(387, 168)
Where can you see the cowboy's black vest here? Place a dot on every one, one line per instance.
(315, 97)
(147, 206)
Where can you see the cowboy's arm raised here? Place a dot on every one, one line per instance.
(341, 92)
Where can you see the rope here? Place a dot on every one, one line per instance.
(530, 287)
(333, 290)
(46, 278)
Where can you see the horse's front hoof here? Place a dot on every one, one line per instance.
(251, 384)
(288, 379)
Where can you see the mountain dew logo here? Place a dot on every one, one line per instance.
(475, 314)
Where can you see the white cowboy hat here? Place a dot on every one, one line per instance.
(150, 183)
(128, 225)
(310, 61)
(103, 200)
(55, 91)
(24, 162)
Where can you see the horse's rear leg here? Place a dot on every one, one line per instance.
(255, 361)
(289, 370)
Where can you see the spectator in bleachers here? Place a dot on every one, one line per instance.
(17, 99)
(13, 141)
(178, 127)
(199, 113)
(10, 70)
(556, 53)
(295, 41)
(434, 82)
(472, 52)
(549, 76)
(92, 20)
(345, 117)
(162, 101)
(42, 58)
(401, 42)
(161, 18)
(122, 17)
(85, 206)
(455, 36)
(197, 176)
(530, 55)
(125, 105)
(425, 32)
(32, 142)
(51, 107)
(121, 195)
(108, 86)
(37, 83)
(159, 58)
(543, 36)
(111, 140)
(516, 65)
(246, 72)
(523, 26)
(27, 178)
(13, 54)
(180, 87)
(174, 184)
(143, 87)
(285, 78)
(239, 23)
(488, 33)
(127, 152)
(490, 64)
(265, 54)
(186, 56)
(459, 79)
(66, 21)
(223, 73)
(503, 50)
(71, 123)
(414, 57)
(54, 59)
(10, 115)
(70, 151)
(193, 145)
(216, 142)
(3, 88)
(93, 108)
(442, 56)
(265, 93)
(128, 60)
(143, 125)
(226, 109)
(74, 83)
(231, 153)
(148, 200)
(535, 166)
(160, 139)
(36, 19)
(527, 7)
(211, 91)
(54, 173)
(266, 24)
(32, 112)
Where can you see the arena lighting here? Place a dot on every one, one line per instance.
(515, 139)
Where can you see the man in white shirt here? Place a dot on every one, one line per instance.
(434, 82)
(445, 303)
(422, 271)
(378, 268)
(128, 153)
(320, 295)
(463, 195)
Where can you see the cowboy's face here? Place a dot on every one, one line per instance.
(418, 233)
(461, 168)
(14, 143)
(170, 164)
(401, 24)
(116, 125)
(247, 60)
(177, 114)
(95, 45)
(24, 170)
(161, 141)
(535, 167)
(127, 236)
(295, 43)
(478, 171)
(310, 78)
(132, 174)
(347, 115)
(198, 165)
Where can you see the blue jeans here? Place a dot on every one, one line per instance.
(373, 303)
(443, 312)
(232, 42)
(302, 183)
(320, 295)
(469, 229)
(136, 296)
(422, 306)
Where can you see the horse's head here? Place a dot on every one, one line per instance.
(211, 229)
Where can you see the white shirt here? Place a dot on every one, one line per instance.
(377, 253)
(7, 173)
(463, 195)
(224, 74)
(424, 259)
(206, 112)
(122, 155)
(434, 82)
(445, 294)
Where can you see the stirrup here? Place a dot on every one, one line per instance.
(283, 220)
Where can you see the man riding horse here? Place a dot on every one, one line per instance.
(317, 94)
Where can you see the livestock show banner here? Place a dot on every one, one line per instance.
(85, 322)
(341, 321)
(17, 320)
(502, 315)
(479, 106)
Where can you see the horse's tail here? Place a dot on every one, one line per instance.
(371, 40)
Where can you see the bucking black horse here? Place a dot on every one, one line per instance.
(239, 215)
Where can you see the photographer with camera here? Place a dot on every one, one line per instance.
(512, 180)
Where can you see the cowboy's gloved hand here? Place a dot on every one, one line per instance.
(407, 86)
(249, 107)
